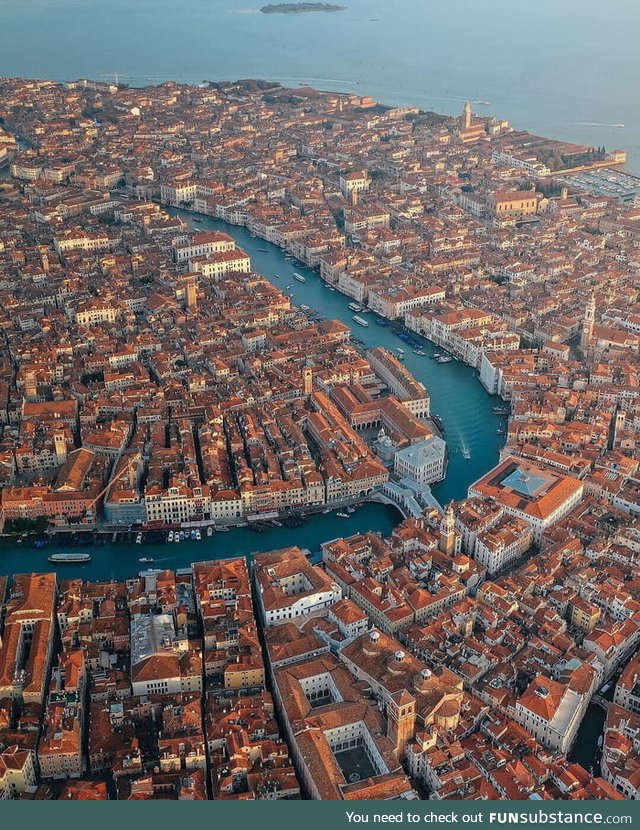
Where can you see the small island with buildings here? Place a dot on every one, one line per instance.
(300, 8)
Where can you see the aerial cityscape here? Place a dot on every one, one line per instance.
(320, 448)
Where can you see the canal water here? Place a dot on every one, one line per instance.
(456, 397)
(120, 561)
(586, 751)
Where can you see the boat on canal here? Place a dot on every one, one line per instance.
(360, 321)
(69, 558)
(299, 277)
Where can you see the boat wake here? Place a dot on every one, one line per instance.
(464, 447)
(598, 124)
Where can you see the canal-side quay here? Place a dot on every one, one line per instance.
(120, 560)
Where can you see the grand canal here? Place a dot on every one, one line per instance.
(456, 397)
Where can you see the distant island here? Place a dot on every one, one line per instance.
(300, 8)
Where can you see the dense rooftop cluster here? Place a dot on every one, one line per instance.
(126, 333)
(150, 377)
(158, 690)
(394, 669)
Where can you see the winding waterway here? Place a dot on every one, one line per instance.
(120, 561)
(456, 397)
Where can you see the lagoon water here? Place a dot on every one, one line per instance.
(567, 69)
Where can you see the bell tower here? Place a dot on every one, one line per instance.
(191, 295)
(588, 322)
(307, 381)
(619, 423)
(447, 542)
(30, 386)
(466, 116)
(60, 446)
(401, 719)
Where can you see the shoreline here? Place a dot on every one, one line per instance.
(384, 98)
